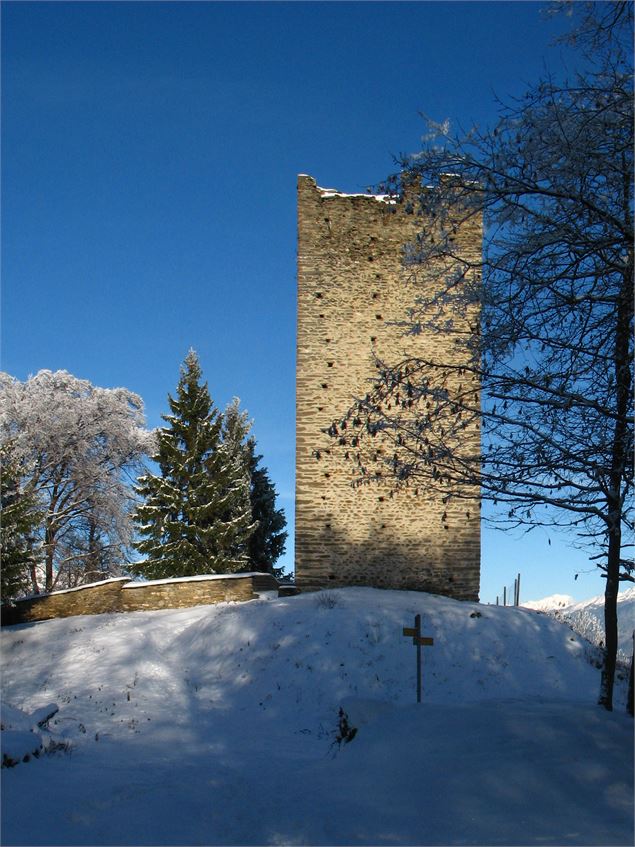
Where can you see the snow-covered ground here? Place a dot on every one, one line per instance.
(217, 725)
(587, 617)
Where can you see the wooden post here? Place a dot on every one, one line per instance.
(518, 590)
(505, 596)
(419, 641)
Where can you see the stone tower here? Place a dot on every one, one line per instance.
(351, 285)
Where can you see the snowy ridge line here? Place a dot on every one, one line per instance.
(586, 617)
(198, 578)
(564, 602)
(548, 604)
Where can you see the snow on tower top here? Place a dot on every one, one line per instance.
(334, 192)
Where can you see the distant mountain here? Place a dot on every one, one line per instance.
(586, 617)
(551, 603)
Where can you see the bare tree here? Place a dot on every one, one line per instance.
(552, 349)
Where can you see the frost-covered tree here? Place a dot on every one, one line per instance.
(195, 516)
(552, 350)
(75, 447)
(267, 543)
(88, 541)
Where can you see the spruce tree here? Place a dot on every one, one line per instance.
(19, 523)
(194, 518)
(267, 542)
(236, 426)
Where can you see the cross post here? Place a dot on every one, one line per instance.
(419, 641)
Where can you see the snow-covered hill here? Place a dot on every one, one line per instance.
(587, 617)
(218, 725)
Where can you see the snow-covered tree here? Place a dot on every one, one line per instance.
(235, 432)
(75, 447)
(236, 428)
(267, 543)
(88, 541)
(195, 517)
(19, 521)
(542, 322)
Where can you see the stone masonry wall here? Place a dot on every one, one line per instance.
(177, 595)
(351, 285)
(121, 595)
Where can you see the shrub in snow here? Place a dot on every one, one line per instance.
(345, 732)
(326, 600)
(26, 736)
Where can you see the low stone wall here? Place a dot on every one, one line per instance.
(94, 599)
(122, 595)
(264, 582)
(189, 591)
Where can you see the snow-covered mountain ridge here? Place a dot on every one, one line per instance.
(218, 725)
(587, 617)
(550, 603)
(564, 601)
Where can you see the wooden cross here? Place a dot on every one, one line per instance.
(420, 641)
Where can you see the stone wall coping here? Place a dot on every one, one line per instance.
(69, 590)
(380, 198)
(197, 578)
(130, 584)
(334, 192)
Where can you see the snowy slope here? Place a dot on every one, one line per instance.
(217, 725)
(587, 617)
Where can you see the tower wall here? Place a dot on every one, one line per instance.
(351, 285)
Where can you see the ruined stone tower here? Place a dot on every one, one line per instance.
(351, 285)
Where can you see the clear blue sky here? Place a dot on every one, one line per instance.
(149, 162)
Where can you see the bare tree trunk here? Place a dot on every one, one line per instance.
(629, 699)
(92, 569)
(34, 582)
(621, 363)
(49, 550)
(610, 623)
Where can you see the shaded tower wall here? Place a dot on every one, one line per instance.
(351, 285)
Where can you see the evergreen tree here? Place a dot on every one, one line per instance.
(236, 426)
(267, 542)
(194, 518)
(20, 519)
